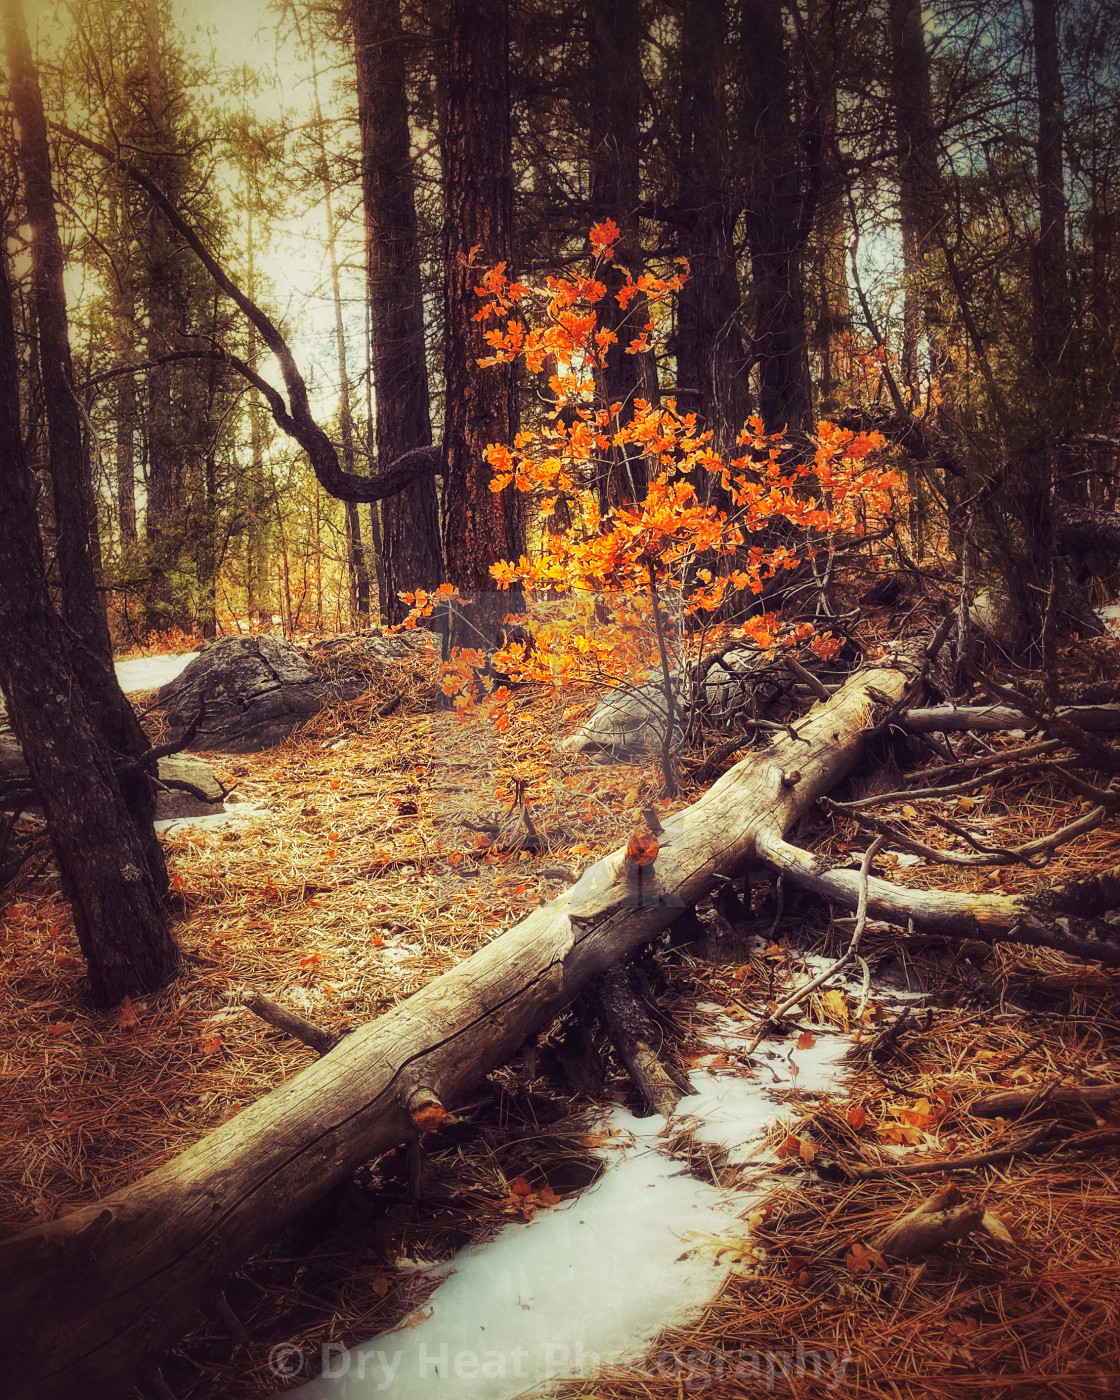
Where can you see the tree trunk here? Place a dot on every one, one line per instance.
(411, 554)
(90, 1300)
(833, 328)
(355, 549)
(1051, 292)
(109, 874)
(777, 219)
(162, 293)
(615, 73)
(711, 360)
(921, 202)
(90, 648)
(75, 512)
(480, 526)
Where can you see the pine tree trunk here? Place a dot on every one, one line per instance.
(162, 483)
(75, 512)
(711, 359)
(108, 872)
(411, 555)
(614, 69)
(480, 526)
(777, 226)
(1051, 292)
(90, 649)
(355, 549)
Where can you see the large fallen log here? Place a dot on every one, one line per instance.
(89, 1303)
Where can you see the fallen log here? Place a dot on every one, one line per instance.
(1013, 1102)
(986, 917)
(89, 1303)
(942, 719)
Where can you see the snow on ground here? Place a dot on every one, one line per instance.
(150, 672)
(588, 1285)
(145, 672)
(1110, 616)
(242, 811)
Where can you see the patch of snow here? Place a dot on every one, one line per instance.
(584, 1285)
(589, 1284)
(243, 812)
(150, 672)
(1110, 616)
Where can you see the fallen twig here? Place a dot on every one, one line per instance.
(841, 962)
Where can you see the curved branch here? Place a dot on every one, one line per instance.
(294, 418)
(988, 917)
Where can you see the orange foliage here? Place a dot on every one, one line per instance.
(671, 550)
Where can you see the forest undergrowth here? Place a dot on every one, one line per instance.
(357, 872)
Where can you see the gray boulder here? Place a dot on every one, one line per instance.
(256, 691)
(170, 802)
(630, 723)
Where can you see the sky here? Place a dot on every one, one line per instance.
(293, 254)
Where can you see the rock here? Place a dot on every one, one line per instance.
(629, 723)
(187, 768)
(170, 802)
(256, 689)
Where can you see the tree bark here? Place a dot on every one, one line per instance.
(90, 648)
(75, 513)
(777, 219)
(921, 201)
(1048, 262)
(480, 526)
(163, 295)
(90, 1300)
(615, 73)
(711, 359)
(108, 872)
(412, 556)
(355, 549)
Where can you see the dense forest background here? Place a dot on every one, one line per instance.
(894, 215)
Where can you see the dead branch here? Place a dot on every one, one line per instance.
(1014, 1102)
(838, 966)
(943, 1219)
(635, 1038)
(291, 1023)
(294, 417)
(987, 917)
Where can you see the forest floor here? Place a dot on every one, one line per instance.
(351, 879)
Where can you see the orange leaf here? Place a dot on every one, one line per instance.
(521, 1187)
(642, 848)
(126, 1017)
(796, 1264)
(856, 1117)
(210, 1044)
(806, 1040)
(59, 1028)
(808, 1152)
(861, 1260)
(547, 1196)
